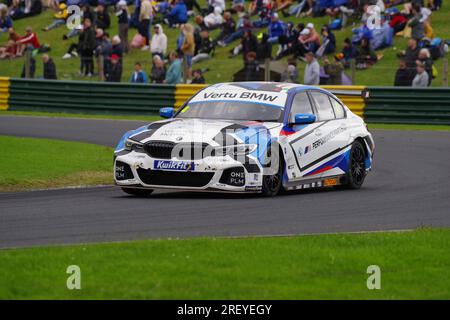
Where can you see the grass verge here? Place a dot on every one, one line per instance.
(414, 265)
(78, 115)
(32, 163)
(426, 127)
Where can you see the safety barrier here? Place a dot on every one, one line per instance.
(4, 93)
(185, 91)
(407, 105)
(88, 97)
(351, 96)
(375, 104)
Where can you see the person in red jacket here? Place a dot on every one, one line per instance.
(30, 38)
(398, 22)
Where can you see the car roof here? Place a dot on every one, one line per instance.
(271, 86)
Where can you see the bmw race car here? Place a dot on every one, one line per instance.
(247, 137)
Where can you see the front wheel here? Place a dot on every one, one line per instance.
(137, 192)
(273, 184)
(357, 166)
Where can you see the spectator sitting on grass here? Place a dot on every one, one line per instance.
(158, 45)
(138, 76)
(216, 4)
(309, 38)
(29, 38)
(238, 6)
(403, 75)
(349, 51)
(115, 73)
(334, 70)
(197, 77)
(5, 19)
(280, 5)
(227, 27)
(214, 19)
(174, 73)
(206, 48)
(366, 56)
(328, 40)
(49, 67)
(158, 72)
(8, 51)
(276, 29)
(60, 18)
(421, 78)
(190, 5)
(178, 14)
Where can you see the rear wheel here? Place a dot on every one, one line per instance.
(273, 184)
(138, 192)
(357, 166)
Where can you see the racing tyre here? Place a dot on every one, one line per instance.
(357, 166)
(138, 192)
(273, 184)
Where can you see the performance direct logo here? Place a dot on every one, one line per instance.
(173, 165)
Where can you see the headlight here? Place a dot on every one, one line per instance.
(235, 150)
(132, 145)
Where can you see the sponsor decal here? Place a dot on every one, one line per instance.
(173, 165)
(328, 137)
(248, 95)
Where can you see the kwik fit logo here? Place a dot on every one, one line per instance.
(174, 165)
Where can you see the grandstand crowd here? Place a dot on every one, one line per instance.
(249, 29)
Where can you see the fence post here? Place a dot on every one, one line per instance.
(267, 69)
(353, 71)
(445, 72)
(100, 65)
(28, 53)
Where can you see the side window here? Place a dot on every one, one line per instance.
(338, 109)
(300, 104)
(323, 104)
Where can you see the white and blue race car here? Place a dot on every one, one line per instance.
(247, 137)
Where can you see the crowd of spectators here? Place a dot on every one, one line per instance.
(250, 28)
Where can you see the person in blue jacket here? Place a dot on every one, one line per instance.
(276, 28)
(5, 20)
(138, 76)
(174, 73)
(177, 15)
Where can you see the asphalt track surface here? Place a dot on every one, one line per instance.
(408, 188)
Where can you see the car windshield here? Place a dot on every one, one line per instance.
(231, 110)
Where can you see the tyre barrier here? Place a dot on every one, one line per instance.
(407, 105)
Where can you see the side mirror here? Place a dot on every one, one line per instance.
(304, 118)
(166, 112)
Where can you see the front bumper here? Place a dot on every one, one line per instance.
(224, 174)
